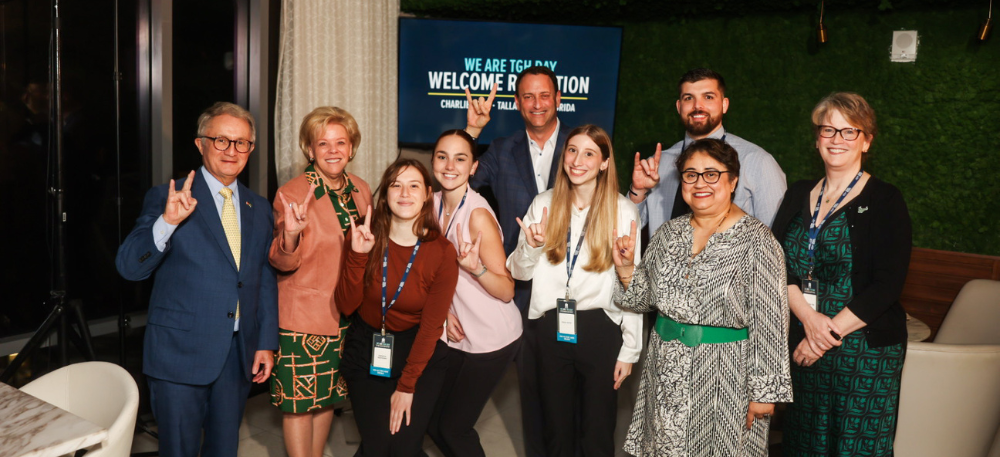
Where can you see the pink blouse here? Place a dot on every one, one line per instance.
(489, 323)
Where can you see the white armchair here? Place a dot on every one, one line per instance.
(949, 400)
(974, 317)
(100, 392)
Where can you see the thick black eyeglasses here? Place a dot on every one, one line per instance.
(848, 134)
(710, 176)
(222, 143)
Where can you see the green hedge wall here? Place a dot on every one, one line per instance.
(939, 117)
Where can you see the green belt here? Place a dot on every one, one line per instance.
(692, 335)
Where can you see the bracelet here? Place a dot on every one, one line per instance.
(474, 138)
(481, 273)
(635, 193)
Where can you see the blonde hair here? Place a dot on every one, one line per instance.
(603, 216)
(317, 120)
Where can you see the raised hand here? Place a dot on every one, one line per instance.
(180, 203)
(362, 239)
(646, 172)
(468, 253)
(534, 234)
(479, 111)
(623, 249)
(296, 215)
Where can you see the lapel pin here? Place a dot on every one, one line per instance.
(862, 209)
(249, 205)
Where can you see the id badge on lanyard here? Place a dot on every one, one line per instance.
(381, 355)
(810, 286)
(566, 320)
(382, 342)
(566, 307)
(810, 289)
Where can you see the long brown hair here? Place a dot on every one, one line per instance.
(603, 216)
(425, 227)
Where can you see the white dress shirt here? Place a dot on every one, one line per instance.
(591, 290)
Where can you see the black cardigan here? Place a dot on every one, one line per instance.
(881, 241)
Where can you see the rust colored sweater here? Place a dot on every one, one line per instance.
(424, 301)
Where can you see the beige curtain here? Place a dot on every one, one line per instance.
(340, 53)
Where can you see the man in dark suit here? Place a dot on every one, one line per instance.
(213, 313)
(517, 168)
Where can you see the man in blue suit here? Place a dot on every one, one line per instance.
(517, 168)
(213, 313)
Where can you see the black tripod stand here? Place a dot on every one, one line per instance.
(61, 308)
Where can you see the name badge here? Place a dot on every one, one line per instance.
(810, 289)
(381, 355)
(566, 316)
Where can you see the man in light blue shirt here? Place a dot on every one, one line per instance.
(656, 183)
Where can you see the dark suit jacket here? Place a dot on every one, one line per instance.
(197, 285)
(506, 168)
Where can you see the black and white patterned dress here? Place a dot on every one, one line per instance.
(693, 401)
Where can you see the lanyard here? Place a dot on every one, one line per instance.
(385, 268)
(454, 213)
(571, 260)
(814, 226)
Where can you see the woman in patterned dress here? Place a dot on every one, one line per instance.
(718, 358)
(312, 213)
(849, 339)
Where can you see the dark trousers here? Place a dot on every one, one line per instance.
(579, 374)
(468, 385)
(532, 421)
(182, 411)
(371, 395)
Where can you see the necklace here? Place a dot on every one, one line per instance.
(714, 231)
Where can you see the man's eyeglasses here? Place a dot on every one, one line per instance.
(710, 176)
(222, 143)
(848, 134)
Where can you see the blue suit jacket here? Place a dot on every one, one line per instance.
(197, 285)
(506, 168)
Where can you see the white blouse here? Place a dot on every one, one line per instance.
(591, 290)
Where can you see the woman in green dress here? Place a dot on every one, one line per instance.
(847, 248)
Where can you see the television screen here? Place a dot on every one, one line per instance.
(438, 59)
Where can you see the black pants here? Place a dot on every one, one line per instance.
(467, 387)
(370, 395)
(579, 374)
(532, 421)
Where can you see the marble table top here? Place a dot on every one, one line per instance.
(30, 427)
(916, 329)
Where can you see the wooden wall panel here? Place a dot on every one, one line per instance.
(935, 277)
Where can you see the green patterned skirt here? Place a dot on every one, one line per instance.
(306, 374)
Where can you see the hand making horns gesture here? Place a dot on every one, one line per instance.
(623, 250)
(479, 108)
(362, 239)
(534, 234)
(295, 216)
(180, 203)
(646, 172)
(468, 253)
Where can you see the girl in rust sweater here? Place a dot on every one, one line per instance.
(398, 279)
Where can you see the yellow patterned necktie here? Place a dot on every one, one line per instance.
(232, 228)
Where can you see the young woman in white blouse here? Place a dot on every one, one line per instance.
(586, 343)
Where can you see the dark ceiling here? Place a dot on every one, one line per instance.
(609, 11)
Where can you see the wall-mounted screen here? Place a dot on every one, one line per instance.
(438, 59)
